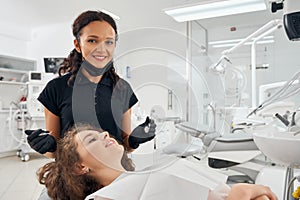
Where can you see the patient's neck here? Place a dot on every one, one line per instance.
(107, 176)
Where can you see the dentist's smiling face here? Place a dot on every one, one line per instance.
(97, 43)
(98, 150)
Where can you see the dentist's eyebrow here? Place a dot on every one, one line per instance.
(92, 36)
(96, 37)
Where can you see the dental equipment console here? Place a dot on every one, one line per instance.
(35, 85)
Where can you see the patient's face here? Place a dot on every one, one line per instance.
(98, 150)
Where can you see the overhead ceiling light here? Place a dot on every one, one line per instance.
(230, 43)
(236, 40)
(247, 43)
(215, 9)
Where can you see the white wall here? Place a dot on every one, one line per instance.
(14, 40)
(50, 41)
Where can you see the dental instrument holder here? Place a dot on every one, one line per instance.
(292, 126)
(282, 119)
(293, 123)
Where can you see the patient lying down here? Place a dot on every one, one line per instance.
(90, 162)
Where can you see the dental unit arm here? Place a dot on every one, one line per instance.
(290, 88)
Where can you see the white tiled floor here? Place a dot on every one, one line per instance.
(18, 179)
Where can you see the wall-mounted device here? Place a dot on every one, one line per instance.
(52, 64)
(35, 85)
(35, 76)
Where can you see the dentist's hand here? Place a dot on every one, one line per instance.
(142, 133)
(41, 141)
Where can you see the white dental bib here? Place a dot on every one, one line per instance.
(181, 179)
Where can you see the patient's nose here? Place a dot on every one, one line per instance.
(104, 135)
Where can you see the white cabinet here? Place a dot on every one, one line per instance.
(13, 89)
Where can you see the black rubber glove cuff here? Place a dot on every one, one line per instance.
(132, 143)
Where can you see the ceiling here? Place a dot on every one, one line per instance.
(34, 13)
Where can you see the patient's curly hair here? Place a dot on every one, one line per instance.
(59, 176)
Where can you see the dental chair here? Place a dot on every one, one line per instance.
(229, 150)
(214, 141)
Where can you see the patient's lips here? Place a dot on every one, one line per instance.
(110, 142)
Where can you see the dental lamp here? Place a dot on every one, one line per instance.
(219, 67)
(291, 17)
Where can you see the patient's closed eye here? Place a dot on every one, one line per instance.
(92, 139)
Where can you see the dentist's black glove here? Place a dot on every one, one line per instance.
(41, 141)
(142, 133)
